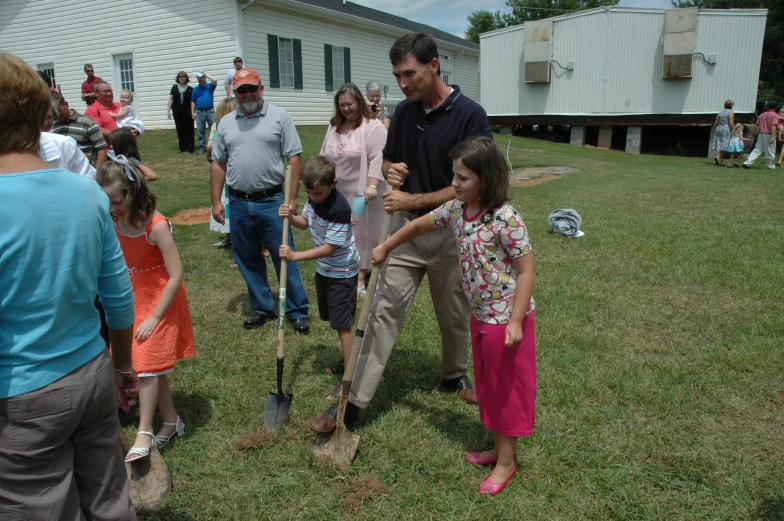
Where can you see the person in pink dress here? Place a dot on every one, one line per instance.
(497, 264)
(354, 142)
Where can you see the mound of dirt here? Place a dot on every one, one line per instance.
(539, 174)
(366, 488)
(192, 216)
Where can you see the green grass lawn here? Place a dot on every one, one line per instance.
(660, 362)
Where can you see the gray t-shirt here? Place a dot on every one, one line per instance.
(254, 147)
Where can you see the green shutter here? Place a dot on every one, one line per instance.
(274, 64)
(328, 67)
(297, 64)
(347, 64)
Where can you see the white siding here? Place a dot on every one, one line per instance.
(165, 36)
(617, 55)
(313, 104)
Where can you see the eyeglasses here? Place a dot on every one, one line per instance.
(182, 76)
(246, 88)
(89, 70)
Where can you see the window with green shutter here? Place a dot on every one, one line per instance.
(337, 66)
(285, 62)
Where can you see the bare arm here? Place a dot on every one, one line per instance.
(227, 86)
(325, 250)
(524, 266)
(397, 201)
(126, 380)
(410, 231)
(168, 108)
(732, 120)
(123, 112)
(217, 180)
(193, 110)
(100, 158)
(210, 78)
(147, 172)
(297, 221)
(161, 236)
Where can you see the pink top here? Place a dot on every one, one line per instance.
(767, 121)
(357, 156)
(486, 246)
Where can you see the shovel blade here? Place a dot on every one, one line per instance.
(339, 446)
(277, 410)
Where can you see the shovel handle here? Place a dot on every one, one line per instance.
(348, 373)
(283, 269)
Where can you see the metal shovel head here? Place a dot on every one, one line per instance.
(277, 410)
(340, 445)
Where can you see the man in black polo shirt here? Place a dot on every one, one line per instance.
(434, 118)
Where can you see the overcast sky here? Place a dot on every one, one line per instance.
(450, 15)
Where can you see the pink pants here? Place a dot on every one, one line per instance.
(505, 377)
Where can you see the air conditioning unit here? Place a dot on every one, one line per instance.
(537, 51)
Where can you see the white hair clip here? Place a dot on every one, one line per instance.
(121, 159)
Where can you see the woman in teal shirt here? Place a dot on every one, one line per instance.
(60, 456)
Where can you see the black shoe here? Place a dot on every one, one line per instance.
(462, 385)
(257, 320)
(745, 166)
(327, 420)
(301, 325)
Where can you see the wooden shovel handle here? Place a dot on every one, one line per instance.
(283, 267)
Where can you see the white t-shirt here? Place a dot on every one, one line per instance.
(63, 152)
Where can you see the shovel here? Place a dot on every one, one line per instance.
(278, 404)
(341, 445)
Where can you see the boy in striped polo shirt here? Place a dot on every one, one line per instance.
(328, 216)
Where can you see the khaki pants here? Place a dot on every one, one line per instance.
(60, 456)
(435, 255)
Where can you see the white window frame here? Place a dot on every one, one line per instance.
(286, 62)
(338, 67)
(48, 68)
(445, 77)
(124, 77)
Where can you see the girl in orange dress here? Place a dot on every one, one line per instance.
(163, 333)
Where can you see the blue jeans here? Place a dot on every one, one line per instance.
(202, 117)
(252, 224)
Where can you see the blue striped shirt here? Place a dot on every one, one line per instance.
(330, 223)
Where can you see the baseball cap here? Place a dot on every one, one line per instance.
(245, 77)
(198, 74)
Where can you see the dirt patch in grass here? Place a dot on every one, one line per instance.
(365, 488)
(535, 175)
(192, 216)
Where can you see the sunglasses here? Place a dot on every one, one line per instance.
(246, 88)
(89, 70)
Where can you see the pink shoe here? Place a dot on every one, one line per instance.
(474, 458)
(489, 488)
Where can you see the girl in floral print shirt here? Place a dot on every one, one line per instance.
(497, 264)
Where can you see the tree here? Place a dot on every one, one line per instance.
(523, 10)
(483, 21)
(771, 78)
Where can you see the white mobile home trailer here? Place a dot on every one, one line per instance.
(304, 50)
(621, 70)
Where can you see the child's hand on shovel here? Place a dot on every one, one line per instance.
(286, 253)
(380, 254)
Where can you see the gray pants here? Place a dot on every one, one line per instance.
(60, 455)
(434, 254)
(763, 146)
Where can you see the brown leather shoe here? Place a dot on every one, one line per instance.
(327, 420)
(469, 395)
(463, 386)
